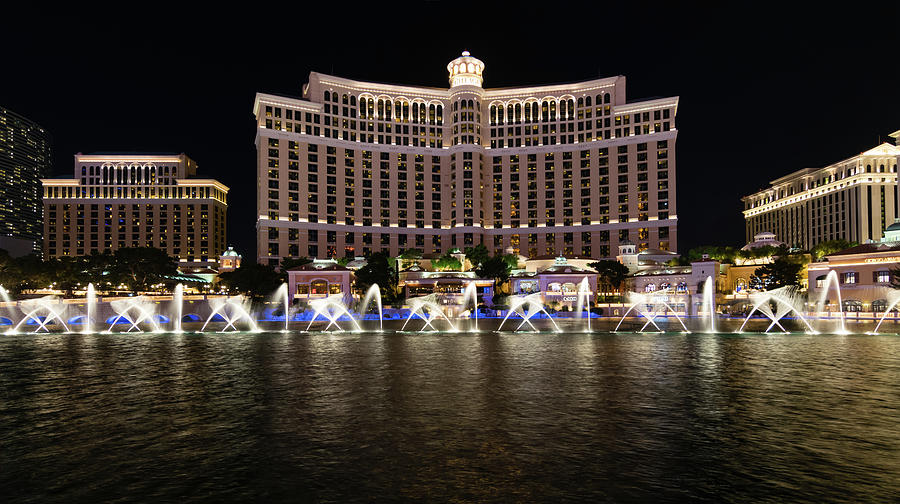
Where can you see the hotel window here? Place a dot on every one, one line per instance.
(881, 277)
(850, 277)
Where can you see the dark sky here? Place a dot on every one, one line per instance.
(764, 90)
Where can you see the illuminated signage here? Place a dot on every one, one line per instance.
(882, 259)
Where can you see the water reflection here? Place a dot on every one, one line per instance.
(483, 417)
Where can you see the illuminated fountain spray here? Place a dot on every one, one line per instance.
(584, 301)
(135, 311)
(232, 309)
(178, 305)
(527, 307)
(832, 279)
(91, 306)
(373, 292)
(331, 308)
(43, 311)
(893, 299)
(428, 309)
(281, 295)
(471, 292)
(650, 306)
(4, 296)
(709, 302)
(785, 299)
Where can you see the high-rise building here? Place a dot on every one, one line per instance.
(854, 200)
(357, 167)
(136, 200)
(25, 157)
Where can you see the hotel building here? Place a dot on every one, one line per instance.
(136, 200)
(357, 167)
(25, 157)
(854, 200)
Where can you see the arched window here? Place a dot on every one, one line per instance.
(527, 113)
(387, 111)
(534, 111)
(587, 101)
(381, 109)
(606, 98)
(327, 95)
(422, 113)
(398, 110)
(471, 104)
(518, 113)
(650, 287)
(580, 102)
(599, 99)
(415, 113)
(362, 108)
(553, 110)
(544, 108)
(500, 114)
(509, 114)
(493, 115)
(431, 114)
(345, 99)
(334, 97)
(353, 101)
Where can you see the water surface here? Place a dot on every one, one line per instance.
(466, 418)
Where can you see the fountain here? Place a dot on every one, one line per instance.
(658, 305)
(331, 308)
(91, 308)
(135, 311)
(893, 298)
(232, 309)
(584, 298)
(832, 279)
(472, 292)
(178, 302)
(48, 305)
(786, 300)
(428, 309)
(283, 296)
(527, 306)
(709, 302)
(373, 292)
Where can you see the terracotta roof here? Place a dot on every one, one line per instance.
(554, 256)
(314, 267)
(868, 248)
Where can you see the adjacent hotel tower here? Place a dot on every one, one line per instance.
(25, 157)
(356, 167)
(854, 200)
(136, 200)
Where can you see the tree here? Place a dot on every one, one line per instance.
(447, 263)
(140, 267)
(378, 270)
(512, 260)
(477, 255)
(254, 280)
(610, 273)
(782, 272)
(823, 249)
(497, 268)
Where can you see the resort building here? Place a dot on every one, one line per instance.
(863, 274)
(559, 283)
(854, 200)
(25, 157)
(357, 167)
(136, 200)
(319, 279)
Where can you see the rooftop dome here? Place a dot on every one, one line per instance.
(465, 71)
(230, 253)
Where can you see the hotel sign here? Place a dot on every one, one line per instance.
(882, 259)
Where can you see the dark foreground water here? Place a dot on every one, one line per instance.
(465, 418)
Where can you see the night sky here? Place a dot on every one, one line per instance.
(764, 91)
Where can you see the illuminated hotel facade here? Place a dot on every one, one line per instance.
(358, 167)
(136, 200)
(855, 200)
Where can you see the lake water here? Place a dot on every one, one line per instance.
(488, 417)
